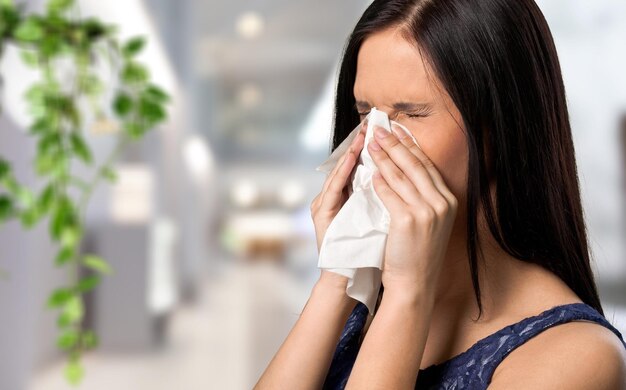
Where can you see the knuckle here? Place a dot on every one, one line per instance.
(405, 220)
(441, 206)
(378, 183)
(324, 215)
(428, 163)
(397, 176)
(414, 148)
(416, 163)
(314, 203)
(454, 202)
(425, 215)
(394, 144)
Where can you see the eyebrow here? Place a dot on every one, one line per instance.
(399, 106)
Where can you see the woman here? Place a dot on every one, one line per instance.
(486, 276)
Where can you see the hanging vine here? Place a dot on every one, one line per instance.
(60, 107)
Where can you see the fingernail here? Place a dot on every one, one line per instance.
(380, 133)
(374, 145)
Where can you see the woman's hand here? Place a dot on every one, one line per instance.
(329, 201)
(421, 207)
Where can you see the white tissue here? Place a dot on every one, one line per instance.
(354, 244)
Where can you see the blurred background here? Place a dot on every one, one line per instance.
(208, 229)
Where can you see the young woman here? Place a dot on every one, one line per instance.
(486, 277)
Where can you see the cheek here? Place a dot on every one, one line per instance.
(447, 149)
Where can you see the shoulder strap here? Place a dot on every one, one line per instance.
(517, 334)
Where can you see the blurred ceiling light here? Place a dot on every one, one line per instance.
(249, 95)
(250, 25)
(197, 156)
(291, 194)
(245, 193)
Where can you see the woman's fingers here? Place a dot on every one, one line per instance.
(333, 188)
(427, 163)
(390, 198)
(356, 145)
(402, 170)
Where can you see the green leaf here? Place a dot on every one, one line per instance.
(40, 126)
(134, 73)
(155, 93)
(29, 30)
(29, 57)
(122, 104)
(36, 97)
(6, 208)
(59, 297)
(80, 148)
(45, 163)
(89, 339)
(90, 84)
(25, 197)
(74, 372)
(63, 215)
(68, 339)
(135, 129)
(64, 255)
(63, 320)
(70, 235)
(133, 46)
(5, 169)
(49, 143)
(31, 216)
(11, 185)
(94, 29)
(74, 309)
(51, 45)
(109, 174)
(97, 264)
(152, 112)
(46, 198)
(36, 93)
(9, 17)
(87, 284)
(59, 5)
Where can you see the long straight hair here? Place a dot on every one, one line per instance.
(498, 62)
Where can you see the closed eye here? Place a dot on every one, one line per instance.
(410, 115)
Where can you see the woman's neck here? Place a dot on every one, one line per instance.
(496, 274)
(509, 287)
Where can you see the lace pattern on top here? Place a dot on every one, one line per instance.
(471, 369)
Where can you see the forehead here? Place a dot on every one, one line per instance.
(389, 69)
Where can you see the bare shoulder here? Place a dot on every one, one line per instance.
(575, 355)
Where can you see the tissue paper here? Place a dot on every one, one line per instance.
(354, 244)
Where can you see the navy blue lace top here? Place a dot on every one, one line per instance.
(471, 369)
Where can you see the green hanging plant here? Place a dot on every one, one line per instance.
(58, 109)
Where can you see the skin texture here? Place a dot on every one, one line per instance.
(427, 311)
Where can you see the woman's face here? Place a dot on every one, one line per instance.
(390, 71)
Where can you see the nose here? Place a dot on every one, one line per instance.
(390, 113)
